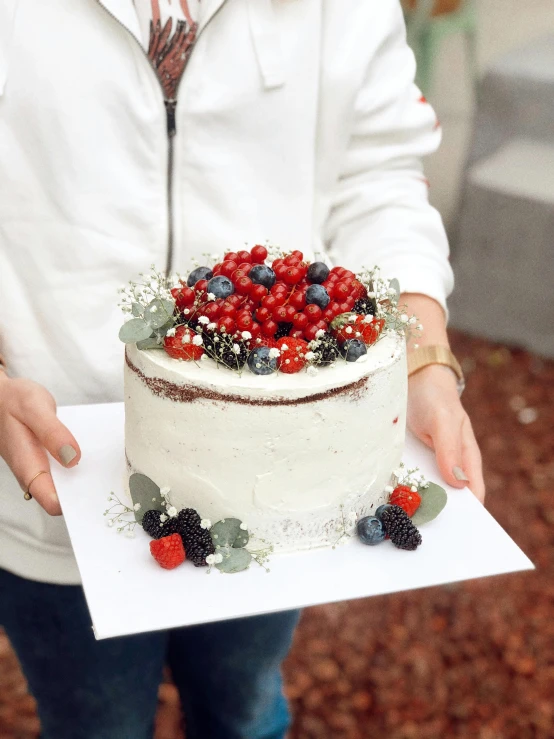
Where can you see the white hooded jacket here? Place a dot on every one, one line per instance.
(297, 121)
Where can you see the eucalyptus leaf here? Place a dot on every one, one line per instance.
(134, 330)
(234, 560)
(228, 533)
(150, 343)
(158, 311)
(144, 491)
(162, 330)
(433, 500)
(137, 309)
(396, 285)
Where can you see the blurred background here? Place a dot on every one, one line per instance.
(472, 660)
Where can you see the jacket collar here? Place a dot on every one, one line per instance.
(124, 11)
(265, 37)
(263, 28)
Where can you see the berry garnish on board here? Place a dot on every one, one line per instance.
(168, 551)
(406, 498)
(399, 528)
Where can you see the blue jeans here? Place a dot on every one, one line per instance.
(228, 673)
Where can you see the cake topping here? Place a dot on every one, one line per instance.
(250, 299)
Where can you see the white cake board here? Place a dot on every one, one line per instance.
(127, 592)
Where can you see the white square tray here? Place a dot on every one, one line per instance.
(128, 593)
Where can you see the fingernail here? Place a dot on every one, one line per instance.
(67, 454)
(459, 474)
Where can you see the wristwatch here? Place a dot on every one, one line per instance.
(423, 356)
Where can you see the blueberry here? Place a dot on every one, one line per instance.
(318, 272)
(371, 530)
(353, 349)
(259, 361)
(317, 295)
(260, 274)
(200, 273)
(382, 508)
(221, 286)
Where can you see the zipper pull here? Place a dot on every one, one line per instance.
(170, 106)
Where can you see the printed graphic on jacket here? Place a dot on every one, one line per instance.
(173, 28)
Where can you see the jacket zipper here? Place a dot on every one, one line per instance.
(171, 125)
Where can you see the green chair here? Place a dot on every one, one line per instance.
(426, 31)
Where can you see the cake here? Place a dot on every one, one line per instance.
(288, 454)
(288, 419)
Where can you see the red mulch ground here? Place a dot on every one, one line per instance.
(474, 660)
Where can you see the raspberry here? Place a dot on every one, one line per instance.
(405, 498)
(357, 327)
(293, 352)
(182, 346)
(168, 551)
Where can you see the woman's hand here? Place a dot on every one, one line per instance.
(435, 412)
(436, 416)
(28, 429)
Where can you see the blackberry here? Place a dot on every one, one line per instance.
(152, 525)
(365, 307)
(198, 544)
(155, 528)
(400, 529)
(221, 348)
(283, 330)
(188, 519)
(326, 350)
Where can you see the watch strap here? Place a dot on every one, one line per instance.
(423, 356)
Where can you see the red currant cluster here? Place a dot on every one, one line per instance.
(245, 298)
(258, 309)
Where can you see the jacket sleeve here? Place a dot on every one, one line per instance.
(380, 213)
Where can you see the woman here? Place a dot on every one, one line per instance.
(295, 121)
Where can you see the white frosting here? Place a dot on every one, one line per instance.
(290, 471)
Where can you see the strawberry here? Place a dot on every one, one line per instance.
(168, 551)
(182, 346)
(404, 497)
(353, 326)
(293, 351)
